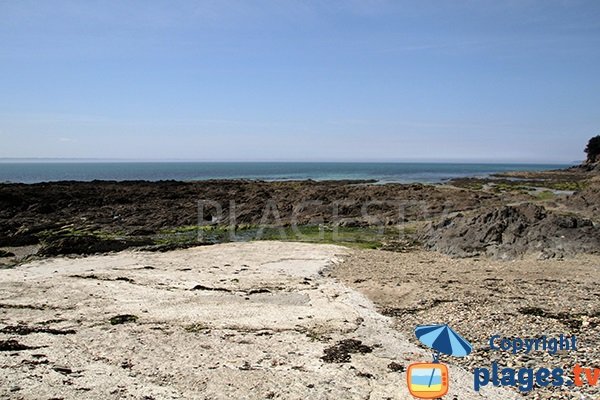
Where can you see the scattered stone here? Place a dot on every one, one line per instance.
(573, 321)
(246, 366)
(102, 278)
(23, 306)
(340, 352)
(26, 330)
(13, 345)
(34, 363)
(62, 370)
(396, 367)
(257, 291)
(122, 319)
(214, 289)
(164, 247)
(399, 312)
(90, 276)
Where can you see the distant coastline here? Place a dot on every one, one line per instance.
(22, 171)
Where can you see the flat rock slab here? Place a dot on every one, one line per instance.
(230, 321)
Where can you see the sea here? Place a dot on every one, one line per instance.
(402, 172)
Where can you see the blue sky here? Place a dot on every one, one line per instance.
(300, 80)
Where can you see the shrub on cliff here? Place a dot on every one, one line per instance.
(593, 149)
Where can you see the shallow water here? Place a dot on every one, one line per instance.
(31, 172)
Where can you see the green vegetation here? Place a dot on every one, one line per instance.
(546, 195)
(510, 187)
(363, 237)
(186, 229)
(567, 185)
(473, 185)
(521, 185)
(593, 149)
(368, 238)
(358, 237)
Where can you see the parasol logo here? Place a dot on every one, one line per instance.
(429, 380)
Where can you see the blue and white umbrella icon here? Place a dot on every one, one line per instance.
(442, 339)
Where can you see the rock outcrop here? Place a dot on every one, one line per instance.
(587, 201)
(513, 231)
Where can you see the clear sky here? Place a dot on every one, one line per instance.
(515, 80)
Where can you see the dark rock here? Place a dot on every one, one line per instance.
(13, 345)
(63, 370)
(88, 276)
(258, 291)
(4, 253)
(209, 288)
(573, 321)
(146, 208)
(164, 247)
(513, 231)
(396, 367)
(22, 239)
(23, 306)
(26, 330)
(122, 319)
(142, 232)
(86, 244)
(340, 352)
(587, 200)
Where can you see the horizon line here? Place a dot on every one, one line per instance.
(357, 161)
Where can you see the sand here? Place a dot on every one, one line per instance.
(229, 321)
(480, 297)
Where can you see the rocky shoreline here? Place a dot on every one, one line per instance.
(551, 214)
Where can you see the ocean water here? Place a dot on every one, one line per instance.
(32, 172)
